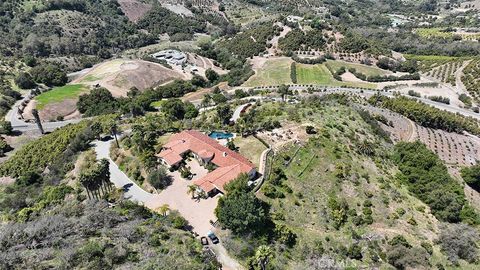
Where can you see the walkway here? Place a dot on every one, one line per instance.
(238, 111)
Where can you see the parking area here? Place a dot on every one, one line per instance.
(197, 212)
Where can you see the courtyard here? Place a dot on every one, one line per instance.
(198, 212)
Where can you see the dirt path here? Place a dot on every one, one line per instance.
(412, 130)
(458, 78)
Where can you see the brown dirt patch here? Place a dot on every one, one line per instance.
(134, 9)
(52, 111)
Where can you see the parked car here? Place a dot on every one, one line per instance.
(213, 237)
(204, 241)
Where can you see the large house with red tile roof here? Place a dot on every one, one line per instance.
(229, 164)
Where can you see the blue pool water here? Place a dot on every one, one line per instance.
(220, 135)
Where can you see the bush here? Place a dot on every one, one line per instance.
(159, 178)
(458, 241)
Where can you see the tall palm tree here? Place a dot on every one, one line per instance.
(263, 256)
(191, 190)
(37, 120)
(86, 184)
(164, 209)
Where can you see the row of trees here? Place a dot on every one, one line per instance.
(428, 116)
(96, 179)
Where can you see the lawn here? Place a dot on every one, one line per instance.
(59, 94)
(274, 72)
(250, 147)
(367, 70)
(320, 75)
(317, 74)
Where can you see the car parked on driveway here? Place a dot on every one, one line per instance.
(204, 241)
(213, 237)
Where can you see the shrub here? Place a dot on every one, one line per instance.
(24, 80)
(458, 241)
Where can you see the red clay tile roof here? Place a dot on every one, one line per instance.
(170, 157)
(218, 178)
(230, 163)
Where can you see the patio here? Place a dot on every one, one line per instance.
(197, 212)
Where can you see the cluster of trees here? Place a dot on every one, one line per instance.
(297, 40)
(293, 72)
(240, 69)
(239, 210)
(100, 101)
(471, 176)
(7, 95)
(440, 99)
(30, 162)
(178, 110)
(428, 116)
(48, 74)
(311, 61)
(252, 41)
(96, 28)
(96, 179)
(160, 20)
(410, 66)
(427, 177)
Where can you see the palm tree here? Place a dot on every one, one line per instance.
(263, 256)
(85, 181)
(37, 120)
(191, 190)
(164, 209)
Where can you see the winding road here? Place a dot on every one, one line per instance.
(18, 124)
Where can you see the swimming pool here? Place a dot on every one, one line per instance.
(220, 135)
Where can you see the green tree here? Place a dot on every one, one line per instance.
(211, 75)
(471, 175)
(24, 80)
(224, 112)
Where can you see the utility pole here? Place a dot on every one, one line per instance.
(37, 120)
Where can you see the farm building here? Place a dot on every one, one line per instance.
(173, 57)
(207, 151)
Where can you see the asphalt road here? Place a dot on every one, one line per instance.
(19, 125)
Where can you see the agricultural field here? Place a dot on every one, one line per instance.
(446, 72)
(471, 78)
(453, 148)
(244, 13)
(319, 74)
(442, 33)
(272, 72)
(429, 62)
(335, 65)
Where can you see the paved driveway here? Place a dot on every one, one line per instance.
(120, 179)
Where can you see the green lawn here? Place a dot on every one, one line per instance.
(274, 72)
(319, 74)
(59, 94)
(367, 70)
(314, 74)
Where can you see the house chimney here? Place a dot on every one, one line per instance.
(224, 154)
